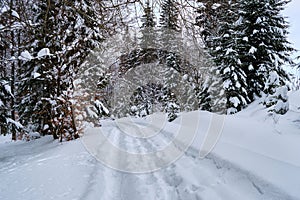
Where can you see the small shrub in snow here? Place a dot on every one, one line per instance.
(278, 102)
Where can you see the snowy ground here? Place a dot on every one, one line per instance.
(257, 157)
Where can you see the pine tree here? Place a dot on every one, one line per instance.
(204, 98)
(13, 25)
(65, 33)
(4, 97)
(148, 28)
(263, 43)
(211, 15)
(247, 51)
(229, 85)
(169, 25)
(170, 40)
(276, 98)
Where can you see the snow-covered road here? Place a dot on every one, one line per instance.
(45, 169)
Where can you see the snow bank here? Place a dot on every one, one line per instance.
(266, 145)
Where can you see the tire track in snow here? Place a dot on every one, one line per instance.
(147, 183)
(263, 189)
(188, 178)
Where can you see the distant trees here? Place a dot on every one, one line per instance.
(169, 25)
(149, 37)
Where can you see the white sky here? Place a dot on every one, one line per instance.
(293, 13)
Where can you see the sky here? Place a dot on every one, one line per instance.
(293, 13)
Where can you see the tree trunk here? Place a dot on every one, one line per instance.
(12, 79)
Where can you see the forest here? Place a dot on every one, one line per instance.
(68, 64)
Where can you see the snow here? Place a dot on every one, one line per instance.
(34, 135)
(8, 89)
(218, 48)
(280, 105)
(239, 21)
(185, 77)
(227, 83)
(25, 55)
(44, 52)
(4, 9)
(99, 104)
(15, 14)
(79, 22)
(256, 157)
(238, 85)
(229, 50)
(252, 50)
(258, 20)
(201, 5)
(46, 126)
(251, 67)
(227, 70)
(36, 75)
(235, 101)
(215, 6)
(246, 39)
(17, 124)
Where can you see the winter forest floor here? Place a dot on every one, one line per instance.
(257, 157)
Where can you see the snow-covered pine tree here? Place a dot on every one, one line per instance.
(141, 101)
(4, 49)
(13, 26)
(263, 43)
(210, 16)
(169, 25)
(4, 97)
(172, 107)
(204, 99)
(146, 98)
(170, 39)
(276, 98)
(65, 33)
(229, 86)
(256, 43)
(148, 39)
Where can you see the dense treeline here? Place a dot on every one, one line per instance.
(241, 49)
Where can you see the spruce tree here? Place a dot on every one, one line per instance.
(65, 33)
(263, 43)
(246, 53)
(276, 98)
(170, 40)
(227, 91)
(211, 15)
(229, 77)
(148, 39)
(4, 97)
(13, 26)
(169, 25)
